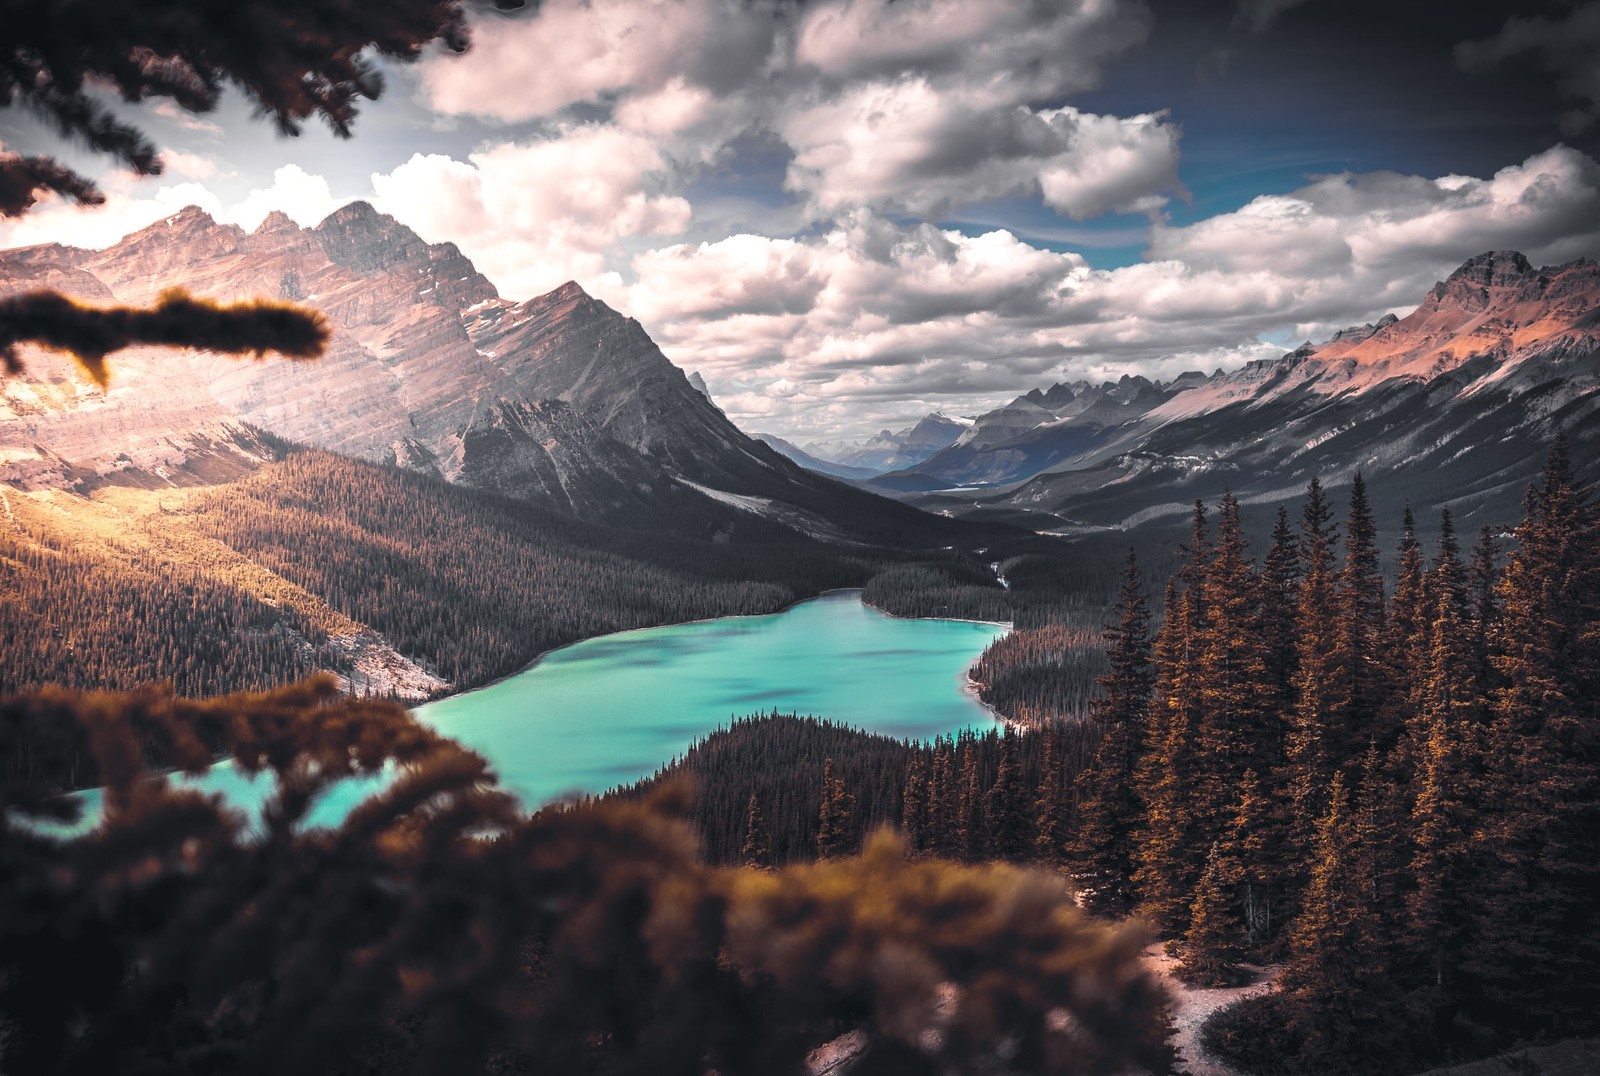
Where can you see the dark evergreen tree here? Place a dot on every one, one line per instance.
(1405, 635)
(971, 833)
(914, 804)
(1483, 580)
(1358, 635)
(1345, 1012)
(1319, 679)
(1164, 843)
(1007, 807)
(1109, 808)
(942, 801)
(756, 851)
(1213, 944)
(1280, 584)
(1535, 955)
(835, 833)
(1237, 728)
(1051, 808)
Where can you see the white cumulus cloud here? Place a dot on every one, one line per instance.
(534, 215)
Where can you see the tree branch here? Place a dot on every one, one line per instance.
(178, 320)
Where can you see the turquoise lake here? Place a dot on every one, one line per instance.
(610, 710)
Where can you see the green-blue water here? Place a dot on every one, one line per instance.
(610, 710)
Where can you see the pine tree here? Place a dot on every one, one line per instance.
(835, 818)
(971, 835)
(1212, 946)
(1237, 728)
(941, 838)
(1541, 833)
(1164, 843)
(1050, 802)
(1254, 844)
(1448, 578)
(1318, 677)
(1010, 829)
(1109, 809)
(1344, 1010)
(1280, 584)
(756, 851)
(1357, 636)
(1405, 633)
(914, 803)
(1441, 819)
(1483, 582)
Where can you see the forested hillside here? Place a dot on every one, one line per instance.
(258, 582)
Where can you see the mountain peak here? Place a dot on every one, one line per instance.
(190, 216)
(1491, 269)
(276, 221)
(352, 213)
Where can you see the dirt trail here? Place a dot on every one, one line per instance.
(1192, 1005)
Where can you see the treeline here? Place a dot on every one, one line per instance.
(955, 588)
(1396, 794)
(959, 797)
(1039, 676)
(439, 930)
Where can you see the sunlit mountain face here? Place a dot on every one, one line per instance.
(849, 215)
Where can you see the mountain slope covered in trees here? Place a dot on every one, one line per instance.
(399, 582)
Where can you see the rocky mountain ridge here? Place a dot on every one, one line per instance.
(1455, 403)
(558, 399)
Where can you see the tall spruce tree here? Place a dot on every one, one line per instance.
(1007, 807)
(914, 803)
(1309, 764)
(1238, 729)
(1535, 953)
(1166, 866)
(1279, 585)
(1405, 634)
(1358, 636)
(971, 833)
(1442, 818)
(756, 850)
(1213, 944)
(835, 819)
(1050, 804)
(941, 836)
(1344, 1011)
(1102, 853)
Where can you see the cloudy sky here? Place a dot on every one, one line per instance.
(847, 213)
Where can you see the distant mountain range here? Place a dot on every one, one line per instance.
(888, 450)
(559, 399)
(1456, 404)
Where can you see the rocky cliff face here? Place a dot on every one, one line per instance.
(559, 397)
